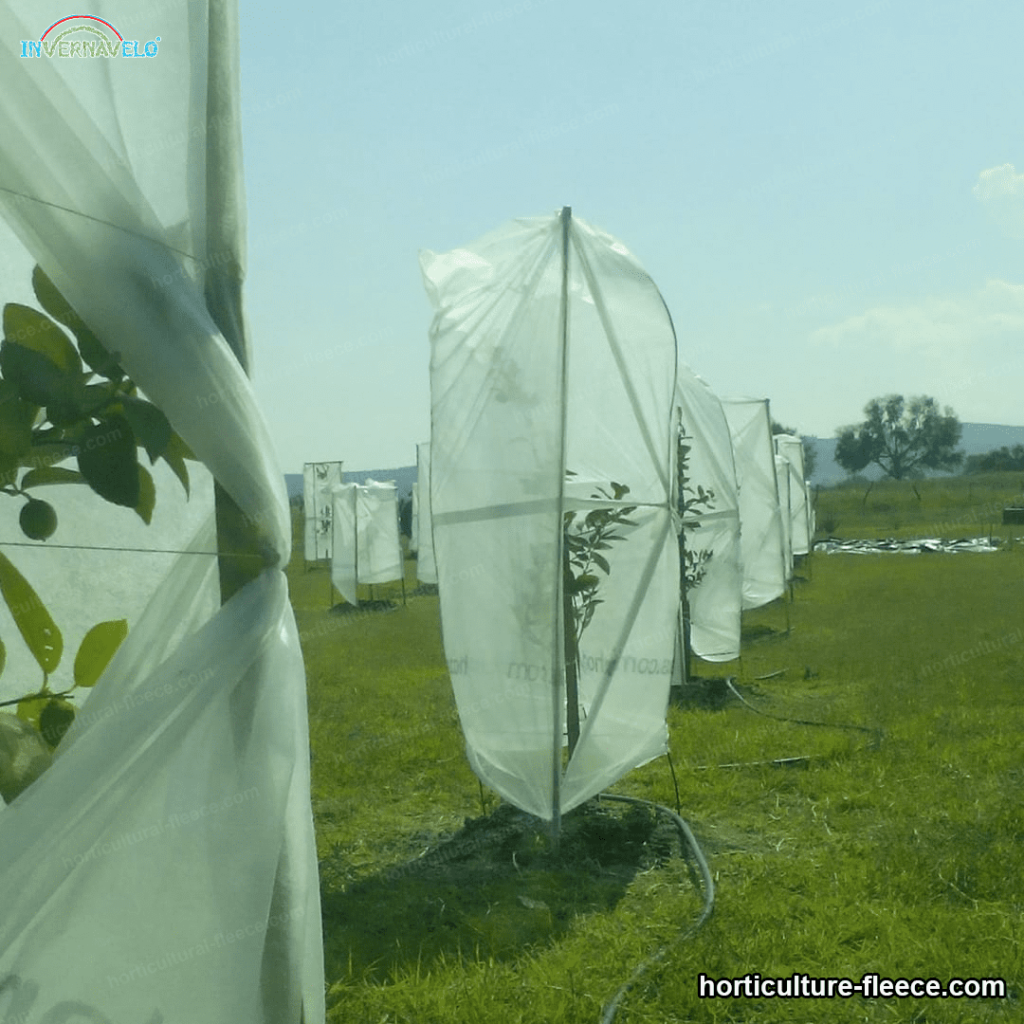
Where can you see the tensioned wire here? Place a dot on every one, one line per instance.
(45, 545)
(98, 220)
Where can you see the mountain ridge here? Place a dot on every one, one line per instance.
(976, 439)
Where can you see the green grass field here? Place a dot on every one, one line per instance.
(951, 507)
(897, 852)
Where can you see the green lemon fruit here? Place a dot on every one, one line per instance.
(38, 519)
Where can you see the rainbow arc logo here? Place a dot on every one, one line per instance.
(86, 36)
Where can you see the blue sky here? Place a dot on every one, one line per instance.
(830, 196)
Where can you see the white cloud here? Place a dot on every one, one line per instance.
(936, 325)
(999, 181)
(968, 349)
(1001, 191)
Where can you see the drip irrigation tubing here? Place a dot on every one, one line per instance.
(775, 762)
(612, 1007)
(875, 732)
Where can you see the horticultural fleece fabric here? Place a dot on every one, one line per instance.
(792, 450)
(552, 378)
(366, 548)
(716, 601)
(164, 868)
(318, 480)
(761, 537)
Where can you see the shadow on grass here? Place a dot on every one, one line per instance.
(344, 608)
(488, 892)
(758, 631)
(702, 693)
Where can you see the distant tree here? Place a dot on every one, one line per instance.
(810, 452)
(902, 437)
(999, 460)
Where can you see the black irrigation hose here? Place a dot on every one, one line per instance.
(877, 733)
(775, 762)
(612, 1007)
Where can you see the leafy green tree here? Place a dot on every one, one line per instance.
(64, 398)
(583, 543)
(810, 452)
(902, 437)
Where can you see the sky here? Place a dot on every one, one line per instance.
(830, 196)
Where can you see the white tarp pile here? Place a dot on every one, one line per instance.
(366, 546)
(552, 382)
(925, 545)
(318, 481)
(792, 450)
(761, 536)
(713, 533)
(164, 867)
(426, 565)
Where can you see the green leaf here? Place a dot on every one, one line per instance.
(99, 399)
(52, 301)
(36, 378)
(3, 656)
(175, 455)
(98, 647)
(177, 464)
(50, 475)
(42, 456)
(30, 329)
(150, 426)
(96, 356)
(92, 351)
(55, 719)
(30, 710)
(147, 496)
(109, 462)
(77, 403)
(603, 563)
(16, 420)
(39, 631)
(178, 445)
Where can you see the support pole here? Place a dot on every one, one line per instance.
(559, 675)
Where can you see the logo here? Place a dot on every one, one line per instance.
(83, 35)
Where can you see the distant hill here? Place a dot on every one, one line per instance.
(976, 439)
(404, 477)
